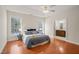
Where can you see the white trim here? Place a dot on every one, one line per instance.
(64, 39)
(40, 44)
(1, 50)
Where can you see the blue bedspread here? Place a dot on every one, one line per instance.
(36, 39)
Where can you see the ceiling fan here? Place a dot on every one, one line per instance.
(48, 8)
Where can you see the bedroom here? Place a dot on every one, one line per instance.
(19, 20)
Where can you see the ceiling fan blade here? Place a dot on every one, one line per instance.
(52, 10)
(51, 6)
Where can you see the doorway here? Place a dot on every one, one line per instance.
(61, 28)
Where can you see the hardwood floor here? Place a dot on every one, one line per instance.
(55, 47)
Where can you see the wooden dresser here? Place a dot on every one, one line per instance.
(61, 33)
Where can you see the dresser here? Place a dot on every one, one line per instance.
(61, 33)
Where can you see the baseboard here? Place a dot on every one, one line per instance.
(3, 47)
(13, 39)
(64, 39)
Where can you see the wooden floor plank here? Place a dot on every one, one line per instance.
(56, 46)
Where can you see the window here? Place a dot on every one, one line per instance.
(15, 24)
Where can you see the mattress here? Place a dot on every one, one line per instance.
(35, 40)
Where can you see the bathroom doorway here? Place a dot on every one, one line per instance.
(61, 28)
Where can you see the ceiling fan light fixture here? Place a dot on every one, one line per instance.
(45, 11)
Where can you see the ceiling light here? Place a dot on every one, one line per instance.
(61, 21)
(45, 9)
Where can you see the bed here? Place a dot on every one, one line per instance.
(34, 39)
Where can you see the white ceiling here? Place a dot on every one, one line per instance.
(36, 10)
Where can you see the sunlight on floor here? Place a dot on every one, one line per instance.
(61, 49)
(17, 49)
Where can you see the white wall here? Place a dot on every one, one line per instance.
(28, 21)
(73, 24)
(49, 26)
(72, 17)
(3, 29)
